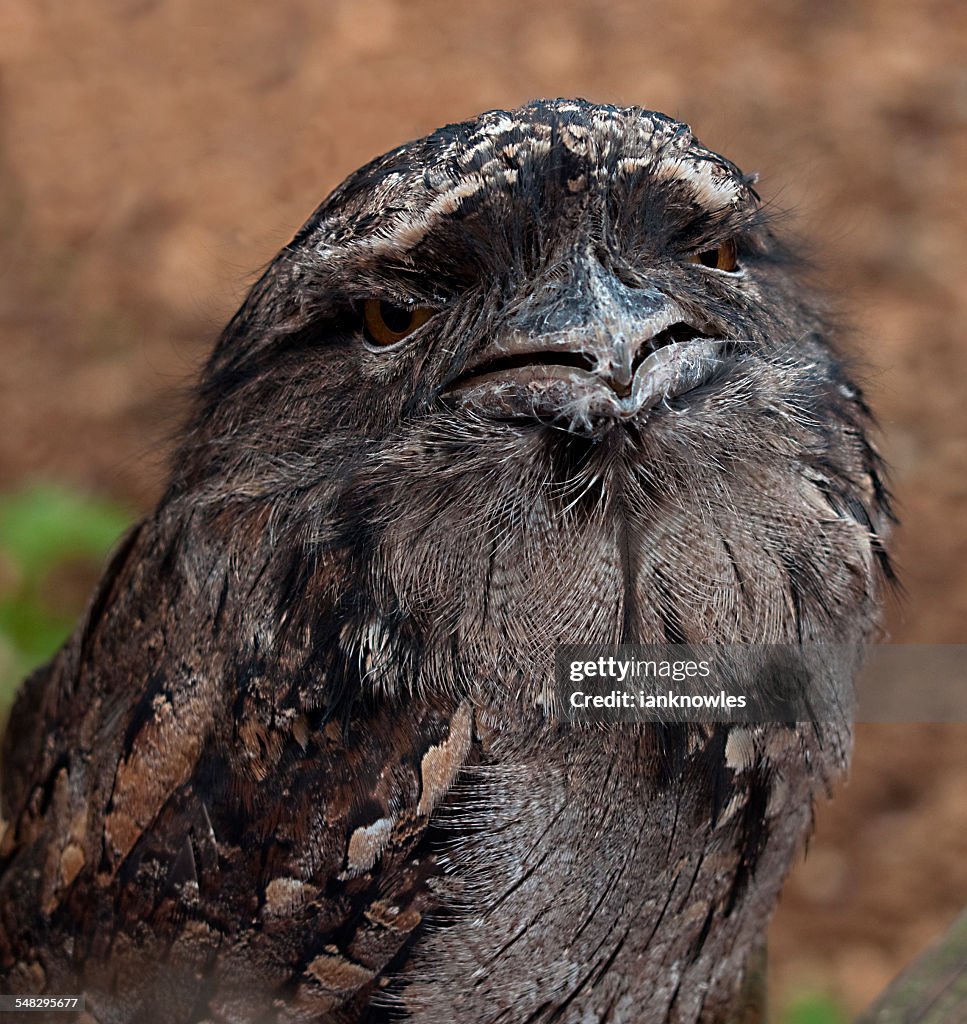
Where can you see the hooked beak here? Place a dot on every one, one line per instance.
(587, 352)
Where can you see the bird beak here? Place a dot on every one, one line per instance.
(585, 350)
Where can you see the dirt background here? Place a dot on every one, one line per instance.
(156, 154)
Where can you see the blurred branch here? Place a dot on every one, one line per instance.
(750, 1006)
(933, 990)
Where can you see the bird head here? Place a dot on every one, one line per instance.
(566, 265)
(546, 375)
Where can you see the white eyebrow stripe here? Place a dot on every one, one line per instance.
(408, 233)
(410, 229)
(711, 183)
(712, 186)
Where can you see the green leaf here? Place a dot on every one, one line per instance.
(46, 524)
(33, 632)
(814, 1009)
(42, 528)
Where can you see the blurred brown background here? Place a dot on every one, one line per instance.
(155, 153)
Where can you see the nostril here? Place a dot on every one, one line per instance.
(676, 333)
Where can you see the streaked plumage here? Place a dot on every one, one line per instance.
(295, 764)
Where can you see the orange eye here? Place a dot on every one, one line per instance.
(386, 323)
(722, 257)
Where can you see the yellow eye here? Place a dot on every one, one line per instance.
(722, 257)
(386, 323)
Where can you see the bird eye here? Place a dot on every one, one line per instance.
(386, 323)
(722, 257)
